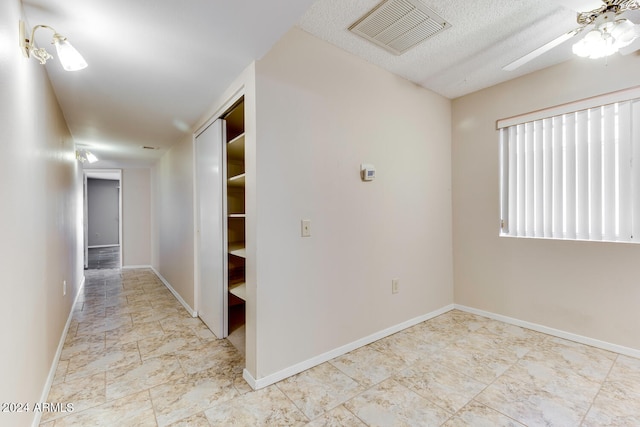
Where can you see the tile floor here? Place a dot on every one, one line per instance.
(134, 357)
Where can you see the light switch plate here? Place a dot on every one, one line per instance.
(395, 286)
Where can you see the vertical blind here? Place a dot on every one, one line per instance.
(574, 175)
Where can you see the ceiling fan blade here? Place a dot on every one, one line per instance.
(542, 49)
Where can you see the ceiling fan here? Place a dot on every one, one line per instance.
(608, 32)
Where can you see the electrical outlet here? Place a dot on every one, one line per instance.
(64, 287)
(395, 286)
(306, 228)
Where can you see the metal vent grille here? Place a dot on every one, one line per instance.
(399, 25)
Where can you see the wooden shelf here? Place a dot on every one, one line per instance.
(239, 290)
(236, 181)
(236, 214)
(235, 148)
(238, 249)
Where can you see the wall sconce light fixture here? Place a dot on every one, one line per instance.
(70, 58)
(86, 156)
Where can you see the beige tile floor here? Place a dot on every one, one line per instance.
(134, 357)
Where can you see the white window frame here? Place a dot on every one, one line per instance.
(573, 171)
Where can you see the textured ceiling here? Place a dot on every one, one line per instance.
(485, 36)
(155, 66)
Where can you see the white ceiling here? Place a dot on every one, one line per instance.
(155, 66)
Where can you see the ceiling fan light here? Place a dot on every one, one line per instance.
(596, 44)
(69, 57)
(607, 50)
(581, 49)
(624, 33)
(593, 36)
(602, 49)
(622, 27)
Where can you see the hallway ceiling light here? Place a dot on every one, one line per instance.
(86, 156)
(69, 57)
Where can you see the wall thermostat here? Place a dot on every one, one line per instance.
(367, 172)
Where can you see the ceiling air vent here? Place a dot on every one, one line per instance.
(399, 25)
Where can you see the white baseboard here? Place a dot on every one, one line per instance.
(102, 246)
(249, 379)
(173, 291)
(56, 358)
(317, 360)
(627, 351)
(130, 267)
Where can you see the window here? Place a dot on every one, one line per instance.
(573, 172)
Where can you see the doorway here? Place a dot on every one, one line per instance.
(102, 219)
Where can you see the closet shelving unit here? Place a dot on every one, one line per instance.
(236, 214)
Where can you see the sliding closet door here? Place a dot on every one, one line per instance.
(212, 244)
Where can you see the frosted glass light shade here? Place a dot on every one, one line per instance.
(91, 157)
(624, 33)
(606, 39)
(69, 57)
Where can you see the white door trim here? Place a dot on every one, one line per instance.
(114, 174)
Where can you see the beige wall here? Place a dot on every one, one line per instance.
(321, 112)
(173, 214)
(585, 288)
(136, 212)
(39, 222)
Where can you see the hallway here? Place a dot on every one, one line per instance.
(134, 357)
